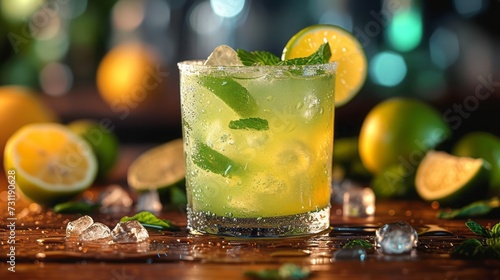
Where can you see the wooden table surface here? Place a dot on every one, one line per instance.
(42, 252)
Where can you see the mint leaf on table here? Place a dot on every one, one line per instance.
(475, 209)
(286, 271)
(249, 124)
(148, 219)
(473, 248)
(79, 207)
(358, 243)
(257, 58)
(478, 229)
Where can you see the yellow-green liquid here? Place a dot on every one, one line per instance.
(281, 171)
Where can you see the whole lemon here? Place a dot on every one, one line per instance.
(20, 106)
(129, 76)
(103, 142)
(483, 145)
(400, 131)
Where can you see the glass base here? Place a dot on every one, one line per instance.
(300, 224)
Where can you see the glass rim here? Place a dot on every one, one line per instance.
(197, 65)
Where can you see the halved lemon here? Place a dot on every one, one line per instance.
(346, 51)
(51, 164)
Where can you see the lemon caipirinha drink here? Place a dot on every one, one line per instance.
(258, 140)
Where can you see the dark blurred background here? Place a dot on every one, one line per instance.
(70, 52)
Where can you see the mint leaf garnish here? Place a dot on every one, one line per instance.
(478, 229)
(257, 58)
(148, 219)
(249, 124)
(321, 56)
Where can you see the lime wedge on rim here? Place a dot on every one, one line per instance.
(346, 51)
(161, 167)
(451, 180)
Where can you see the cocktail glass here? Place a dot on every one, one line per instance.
(258, 142)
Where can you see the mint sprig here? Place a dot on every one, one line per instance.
(148, 219)
(487, 247)
(260, 58)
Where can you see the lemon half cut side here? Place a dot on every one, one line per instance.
(51, 163)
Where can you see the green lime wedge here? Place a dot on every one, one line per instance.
(213, 161)
(232, 93)
(158, 168)
(451, 180)
(249, 124)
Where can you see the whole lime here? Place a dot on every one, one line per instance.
(400, 131)
(482, 145)
(103, 142)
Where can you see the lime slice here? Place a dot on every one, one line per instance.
(158, 168)
(451, 180)
(232, 93)
(49, 163)
(213, 161)
(346, 51)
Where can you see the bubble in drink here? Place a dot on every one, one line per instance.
(95, 232)
(129, 232)
(396, 238)
(77, 226)
(358, 202)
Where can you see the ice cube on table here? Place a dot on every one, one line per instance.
(358, 202)
(77, 226)
(97, 231)
(396, 238)
(223, 56)
(115, 199)
(129, 232)
(149, 201)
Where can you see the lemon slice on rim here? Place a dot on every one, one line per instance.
(346, 51)
(49, 163)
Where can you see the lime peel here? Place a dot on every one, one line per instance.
(449, 179)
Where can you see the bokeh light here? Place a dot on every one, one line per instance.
(470, 8)
(19, 10)
(405, 30)
(387, 69)
(56, 79)
(203, 20)
(444, 47)
(227, 8)
(128, 14)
